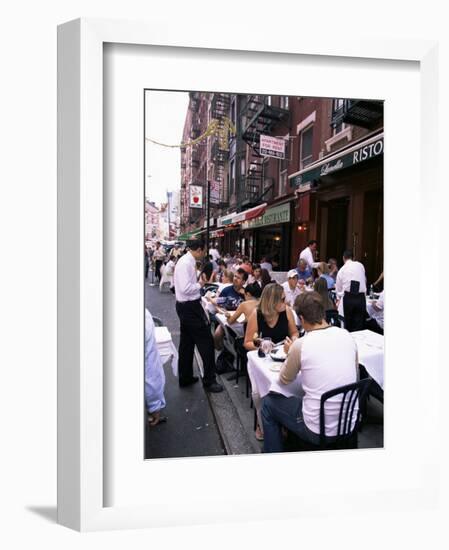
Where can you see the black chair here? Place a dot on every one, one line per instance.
(354, 308)
(240, 353)
(332, 318)
(348, 420)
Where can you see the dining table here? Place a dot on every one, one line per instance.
(166, 347)
(263, 372)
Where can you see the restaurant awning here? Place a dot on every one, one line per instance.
(239, 217)
(189, 235)
(366, 149)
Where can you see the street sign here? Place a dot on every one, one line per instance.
(196, 196)
(272, 147)
(215, 192)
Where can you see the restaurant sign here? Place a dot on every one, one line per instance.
(272, 147)
(272, 216)
(364, 152)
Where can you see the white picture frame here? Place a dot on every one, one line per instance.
(81, 488)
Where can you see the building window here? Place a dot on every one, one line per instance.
(337, 109)
(232, 178)
(284, 102)
(268, 100)
(305, 152)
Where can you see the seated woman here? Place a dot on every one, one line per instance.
(273, 319)
(246, 308)
(333, 268)
(323, 272)
(265, 278)
(330, 309)
(207, 274)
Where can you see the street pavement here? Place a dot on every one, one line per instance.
(191, 429)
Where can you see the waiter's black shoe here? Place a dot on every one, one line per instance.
(215, 387)
(188, 382)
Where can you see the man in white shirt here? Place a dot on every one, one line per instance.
(327, 359)
(308, 254)
(351, 271)
(291, 287)
(154, 374)
(214, 253)
(195, 328)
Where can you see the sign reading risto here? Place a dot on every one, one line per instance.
(272, 216)
(364, 152)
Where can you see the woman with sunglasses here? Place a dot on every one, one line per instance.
(271, 319)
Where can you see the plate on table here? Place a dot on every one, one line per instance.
(275, 367)
(278, 354)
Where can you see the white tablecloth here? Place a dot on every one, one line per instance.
(236, 327)
(370, 346)
(166, 348)
(264, 379)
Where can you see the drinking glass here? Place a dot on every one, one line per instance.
(267, 346)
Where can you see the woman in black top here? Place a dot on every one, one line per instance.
(274, 319)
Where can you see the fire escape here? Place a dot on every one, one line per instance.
(220, 145)
(258, 118)
(359, 112)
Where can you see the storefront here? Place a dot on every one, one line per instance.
(340, 204)
(269, 235)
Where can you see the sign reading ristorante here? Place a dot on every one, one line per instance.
(364, 152)
(272, 216)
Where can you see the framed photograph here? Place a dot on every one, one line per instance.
(118, 85)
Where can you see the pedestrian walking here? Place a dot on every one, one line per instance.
(158, 257)
(194, 325)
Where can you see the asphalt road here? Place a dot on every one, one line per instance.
(190, 429)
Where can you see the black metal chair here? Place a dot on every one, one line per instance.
(354, 308)
(348, 419)
(333, 318)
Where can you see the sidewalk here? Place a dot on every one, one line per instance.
(191, 429)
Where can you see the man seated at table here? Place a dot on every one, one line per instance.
(327, 358)
(291, 288)
(303, 270)
(234, 295)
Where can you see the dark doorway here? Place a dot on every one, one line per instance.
(372, 250)
(337, 227)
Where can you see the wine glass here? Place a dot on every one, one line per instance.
(266, 345)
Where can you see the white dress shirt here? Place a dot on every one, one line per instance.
(154, 371)
(290, 295)
(307, 255)
(351, 271)
(187, 287)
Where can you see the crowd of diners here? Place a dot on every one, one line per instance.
(246, 292)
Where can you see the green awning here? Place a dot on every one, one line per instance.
(189, 235)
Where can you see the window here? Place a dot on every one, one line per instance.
(232, 178)
(305, 153)
(242, 167)
(268, 100)
(284, 102)
(337, 108)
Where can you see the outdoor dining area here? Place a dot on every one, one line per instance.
(257, 362)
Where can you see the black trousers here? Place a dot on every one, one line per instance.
(157, 269)
(195, 331)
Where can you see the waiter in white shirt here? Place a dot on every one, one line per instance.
(195, 329)
(351, 271)
(308, 254)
